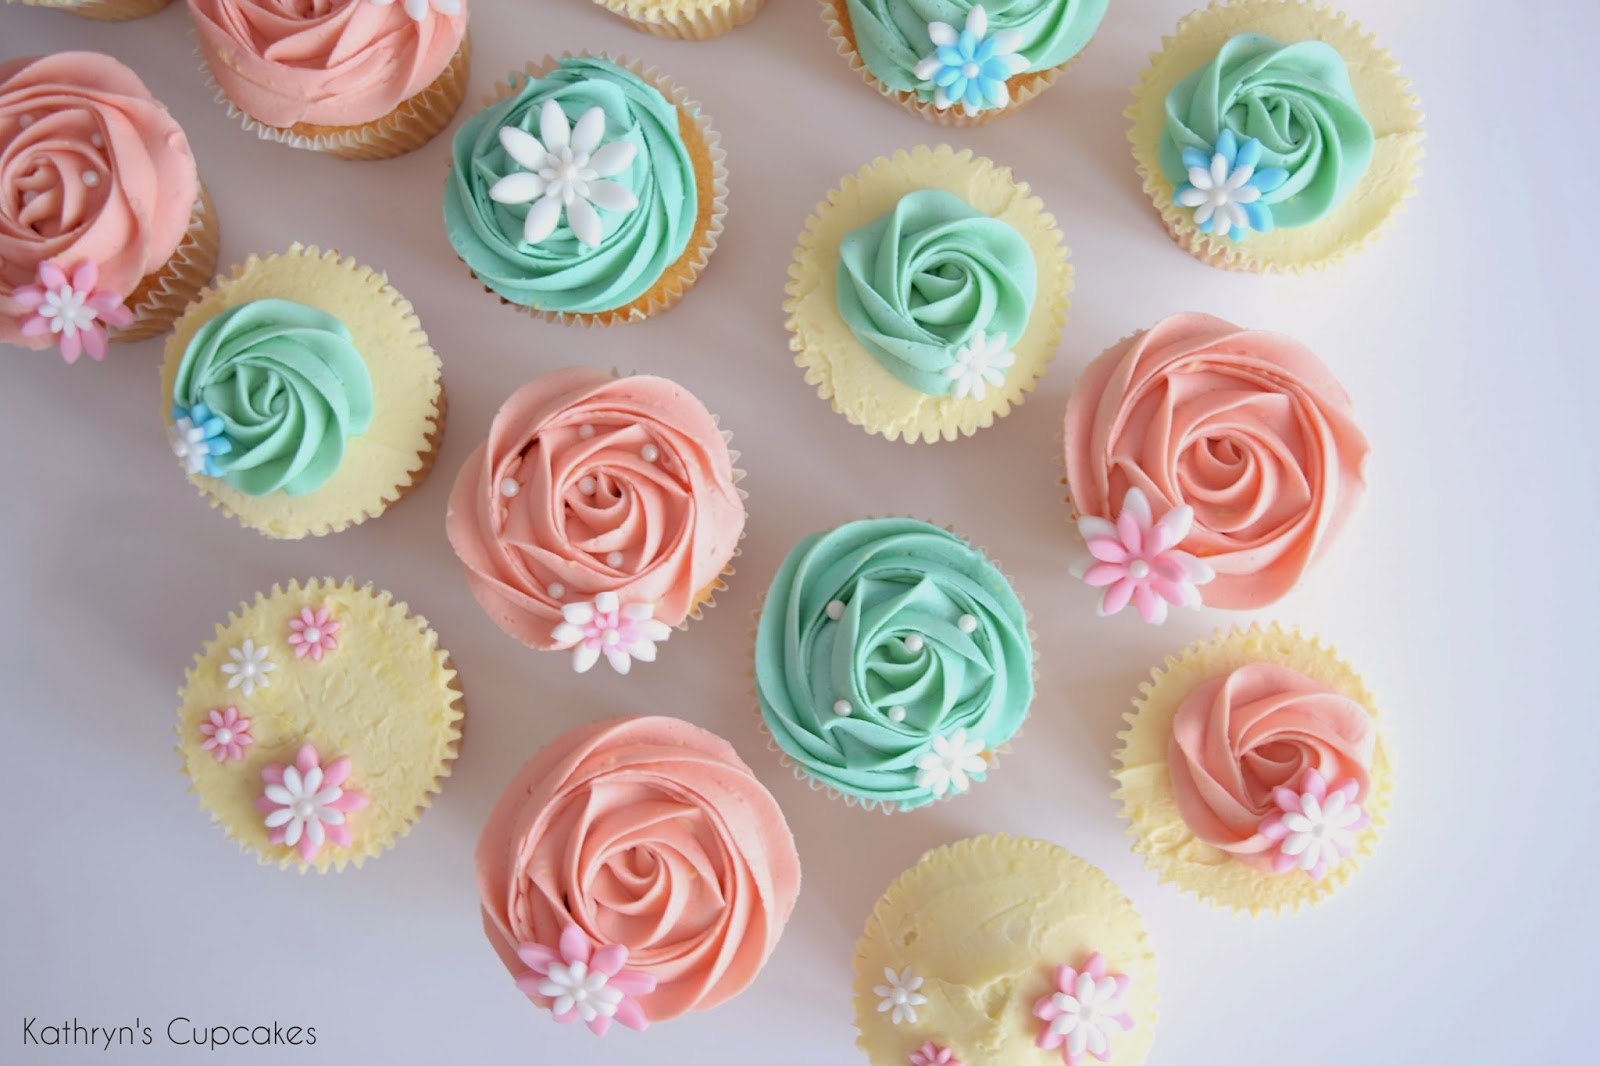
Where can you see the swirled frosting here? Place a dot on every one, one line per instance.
(289, 386)
(619, 485)
(892, 35)
(1296, 99)
(918, 284)
(652, 834)
(914, 630)
(1248, 428)
(92, 168)
(324, 62)
(562, 273)
(1236, 738)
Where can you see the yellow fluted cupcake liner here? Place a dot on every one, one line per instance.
(685, 20)
(387, 697)
(163, 294)
(845, 373)
(396, 453)
(102, 10)
(1144, 784)
(405, 129)
(1383, 94)
(984, 922)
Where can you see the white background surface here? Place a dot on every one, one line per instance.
(1464, 592)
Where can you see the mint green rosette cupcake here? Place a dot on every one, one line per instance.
(587, 190)
(893, 662)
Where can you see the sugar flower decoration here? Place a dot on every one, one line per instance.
(982, 362)
(1315, 826)
(1136, 558)
(418, 9)
(71, 309)
(249, 667)
(226, 734)
(622, 632)
(898, 996)
(198, 437)
(931, 1054)
(313, 633)
(585, 982)
(968, 66)
(945, 766)
(1084, 1011)
(1225, 188)
(305, 804)
(562, 172)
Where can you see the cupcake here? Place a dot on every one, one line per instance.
(101, 10)
(690, 20)
(105, 230)
(1208, 464)
(643, 853)
(1000, 949)
(893, 663)
(319, 723)
(1274, 135)
(1252, 773)
(587, 190)
(927, 295)
(359, 79)
(301, 394)
(601, 512)
(956, 62)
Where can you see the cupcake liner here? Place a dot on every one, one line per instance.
(1025, 87)
(712, 19)
(704, 145)
(1094, 901)
(161, 297)
(991, 756)
(105, 10)
(366, 844)
(810, 305)
(372, 477)
(1144, 787)
(405, 129)
(1383, 93)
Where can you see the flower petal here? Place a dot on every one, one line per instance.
(519, 188)
(542, 220)
(613, 158)
(585, 222)
(612, 196)
(589, 131)
(523, 147)
(553, 129)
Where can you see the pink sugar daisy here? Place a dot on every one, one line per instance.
(1137, 558)
(226, 733)
(312, 633)
(71, 309)
(1084, 1011)
(1315, 826)
(306, 803)
(582, 981)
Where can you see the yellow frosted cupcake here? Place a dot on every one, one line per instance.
(101, 10)
(1000, 949)
(687, 20)
(1274, 135)
(318, 723)
(1252, 771)
(302, 394)
(927, 295)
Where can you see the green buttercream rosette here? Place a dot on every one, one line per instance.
(289, 387)
(919, 285)
(889, 651)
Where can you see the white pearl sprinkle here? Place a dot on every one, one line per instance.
(97, 140)
(223, 736)
(587, 486)
(585, 432)
(614, 559)
(842, 708)
(611, 637)
(836, 609)
(897, 713)
(25, 121)
(914, 643)
(556, 590)
(1138, 569)
(91, 178)
(966, 623)
(509, 487)
(650, 452)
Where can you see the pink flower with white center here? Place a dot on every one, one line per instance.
(71, 309)
(313, 633)
(306, 803)
(1136, 558)
(1084, 1011)
(1315, 826)
(622, 633)
(226, 733)
(931, 1054)
(585, 982)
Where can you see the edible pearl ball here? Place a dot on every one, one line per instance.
(966, 623)
(914, 643)
(842, 708)
(509, 487)
(614, 559)
(91, 178)
(836, 609)
(897, 713)
(556, 590)
(650, 452)
(1138, 569)
(588, 486)
(585, 432)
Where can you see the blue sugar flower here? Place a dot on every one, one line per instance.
(1225, 188)
(197, 438)
(968, 67)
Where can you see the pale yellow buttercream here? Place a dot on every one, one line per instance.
(844, 371)
(383, 463)
(1144, 789)
(985, 922)
(386, 697)
(1385, 99)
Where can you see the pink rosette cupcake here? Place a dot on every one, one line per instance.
(105, 230)
(601, 512)
(1209, 464)
(360, 79)
(633, 871)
